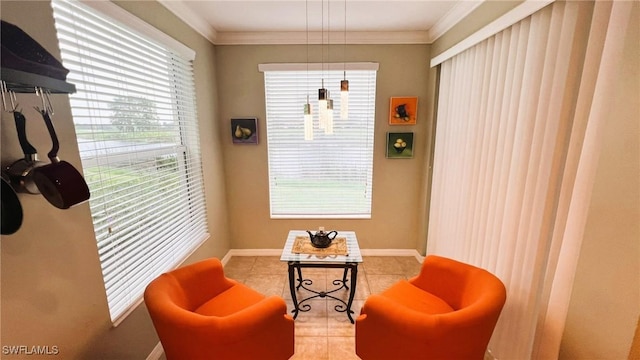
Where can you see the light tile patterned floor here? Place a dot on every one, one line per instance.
(322, 333)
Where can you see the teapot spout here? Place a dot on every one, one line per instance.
(310, 234)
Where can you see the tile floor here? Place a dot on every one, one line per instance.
(322, 333)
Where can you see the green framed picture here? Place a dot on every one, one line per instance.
(399, 145)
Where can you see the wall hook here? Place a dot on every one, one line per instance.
(44, 95)
(12, 98)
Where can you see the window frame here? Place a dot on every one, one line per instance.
(187, 168)
(305, 83)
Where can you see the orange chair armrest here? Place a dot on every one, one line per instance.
(391, 316)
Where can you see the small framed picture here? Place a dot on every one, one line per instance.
(399, 145)
(403, 110)
(244, 130)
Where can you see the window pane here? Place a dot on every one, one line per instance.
(329, 176)
(137, 133)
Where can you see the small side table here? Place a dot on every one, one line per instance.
(347, 262)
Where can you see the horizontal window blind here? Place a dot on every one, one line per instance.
(135, 119)
(329, 176)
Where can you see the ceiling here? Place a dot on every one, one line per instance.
(289, 21)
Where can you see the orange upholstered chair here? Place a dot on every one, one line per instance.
(448, 311)
(198, 313)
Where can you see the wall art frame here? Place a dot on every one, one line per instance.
(244, 130)
(403, 110)
(400, 145)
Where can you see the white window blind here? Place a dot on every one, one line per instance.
(329, 176)
(135, 118)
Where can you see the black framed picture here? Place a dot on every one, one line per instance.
(244, 130)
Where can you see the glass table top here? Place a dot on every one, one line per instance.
(354, 255)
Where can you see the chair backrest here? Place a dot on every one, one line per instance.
(189, 286)
(460, 284)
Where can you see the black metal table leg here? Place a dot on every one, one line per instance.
(344, 276)
(292, 288)
(296, 267)
(299, 276)
(352, 293)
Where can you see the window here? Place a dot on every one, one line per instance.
(134, 115)
(329, 176)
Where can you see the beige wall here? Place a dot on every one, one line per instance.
(52, 288)
(397, 183)
(604, 307)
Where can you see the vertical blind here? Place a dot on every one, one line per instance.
(596, 98)
(504, 117)
(135, 119)
(329, 176)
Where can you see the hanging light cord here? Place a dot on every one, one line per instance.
(322, 36)
(328, 35)
(306, 17)
(344, 56)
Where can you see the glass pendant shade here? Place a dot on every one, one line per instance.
(322, 107)
(329, 124)
(344, 99)
(308, 122)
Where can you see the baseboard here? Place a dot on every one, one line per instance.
(392, 252)
(489, 356)
(156, 353)
(364, 252)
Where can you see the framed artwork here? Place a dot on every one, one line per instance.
(399, 145)
(244, 130)
(403, 110)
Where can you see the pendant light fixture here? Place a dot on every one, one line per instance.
(344, 83)
(329, 125)
(308, 121)
(344, 98)
(323, 97)
(325, 103)
(323, 94)
(308, 115)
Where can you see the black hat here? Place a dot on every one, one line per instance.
(21, 52)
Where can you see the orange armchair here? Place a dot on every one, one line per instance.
(198, 313)
(448, 311)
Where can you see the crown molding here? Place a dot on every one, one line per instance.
(197, 23)
(191, 18)
(452, 17)
(314, 38)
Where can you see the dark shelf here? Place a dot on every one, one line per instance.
(23, 82)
